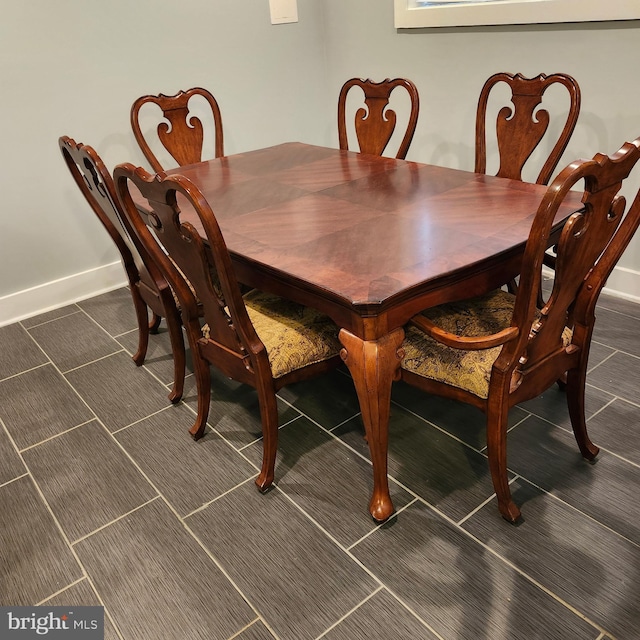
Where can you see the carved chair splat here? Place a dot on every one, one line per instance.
(522, 125)
(181, 133)
(376, 123)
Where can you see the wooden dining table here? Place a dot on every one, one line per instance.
(370, 241)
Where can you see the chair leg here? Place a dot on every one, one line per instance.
(576, 379)
(497, 453)
(154, 323)
(142, 316)
(174, 324)
(203, 382)
(562, 382)
(269, 416)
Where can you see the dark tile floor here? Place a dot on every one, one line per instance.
(105, 499)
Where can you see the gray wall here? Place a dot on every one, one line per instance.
(75, 66)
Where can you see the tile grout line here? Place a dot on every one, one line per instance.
(57, 593)
(607, 357)
(42, 324)
(169, 407)
(346, 550)
(223, 571)
(346, 615)
(8, 482)
(205, 505)
(620, 313)
(379, 525)
(21, 373)
(85, 314)
(56, 435)
(245, 628)
(115, 520)
(402, 603)
(440, 429)
(100, 359)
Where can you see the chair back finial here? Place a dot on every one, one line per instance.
(375, 124)
(181, 133)
(521, 126)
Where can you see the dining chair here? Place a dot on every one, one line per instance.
(375, 122)
(500, 349)
(180, 131)
(257, 338)
(149, 289)
(521, 126)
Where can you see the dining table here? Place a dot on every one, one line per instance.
(370, 241)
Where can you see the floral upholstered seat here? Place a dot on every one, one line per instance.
(467, 369)
(294, 336)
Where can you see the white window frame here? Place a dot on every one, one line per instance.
(456, 13)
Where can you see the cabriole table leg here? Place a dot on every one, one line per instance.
(374, 365)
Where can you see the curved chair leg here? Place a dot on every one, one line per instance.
(142, 315)
(562, 382)
(174, 324)
(269, 416)
(203, 383)
(576, 379)
(497, 453)
(154, 323)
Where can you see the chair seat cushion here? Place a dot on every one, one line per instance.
(294, 336)
(465, 369)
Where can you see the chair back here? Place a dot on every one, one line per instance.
(375, 123)
(180, 132)
(96, 184)
(180, 251)
(590, 244)
(521, 126)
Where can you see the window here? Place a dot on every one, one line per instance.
(453, 13)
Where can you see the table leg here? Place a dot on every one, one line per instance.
(374, 365)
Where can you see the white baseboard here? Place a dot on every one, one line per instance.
(58, 293)
(624, 283)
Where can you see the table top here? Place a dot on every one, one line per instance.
(370, 235)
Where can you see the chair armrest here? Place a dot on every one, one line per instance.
(458, 342)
